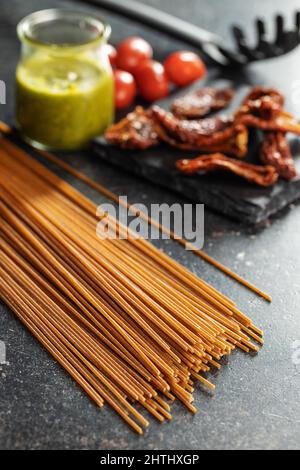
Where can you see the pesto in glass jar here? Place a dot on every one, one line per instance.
(64, 82)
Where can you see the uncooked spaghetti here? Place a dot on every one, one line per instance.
(127, 322)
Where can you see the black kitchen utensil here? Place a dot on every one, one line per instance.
(211, 44)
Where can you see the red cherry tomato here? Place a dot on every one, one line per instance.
(125, 89)
(184, 68)
(152, 80)
(112, 54)
(132, 52)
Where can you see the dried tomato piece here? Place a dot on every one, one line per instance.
(217, 134)
(275, 151)
(283, 122)
(263, 103)
(260, 175)
(263, 109)
(136, 131)
(259, 93)
(198, 104)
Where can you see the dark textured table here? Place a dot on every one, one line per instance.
(256, 405)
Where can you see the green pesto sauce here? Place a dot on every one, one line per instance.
(63, 103)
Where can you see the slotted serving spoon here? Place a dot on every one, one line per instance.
(209, 43)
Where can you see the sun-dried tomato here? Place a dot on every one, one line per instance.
(136, 131)
(263, 109)
(200, 103)
(275, 151)
(260, 175)
(216, 134)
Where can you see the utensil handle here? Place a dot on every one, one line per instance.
(159, 20)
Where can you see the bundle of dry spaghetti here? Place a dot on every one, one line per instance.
(128, 323)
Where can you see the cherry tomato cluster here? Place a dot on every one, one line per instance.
(135, 71)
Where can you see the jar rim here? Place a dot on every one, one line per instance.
(57, 14)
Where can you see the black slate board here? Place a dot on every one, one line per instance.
(222, 192)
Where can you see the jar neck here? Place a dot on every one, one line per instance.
(62, 31)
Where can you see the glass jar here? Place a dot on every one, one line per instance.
(64, 81)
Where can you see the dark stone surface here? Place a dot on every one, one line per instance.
(256, 405)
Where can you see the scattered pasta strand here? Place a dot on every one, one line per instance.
(130, 325)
